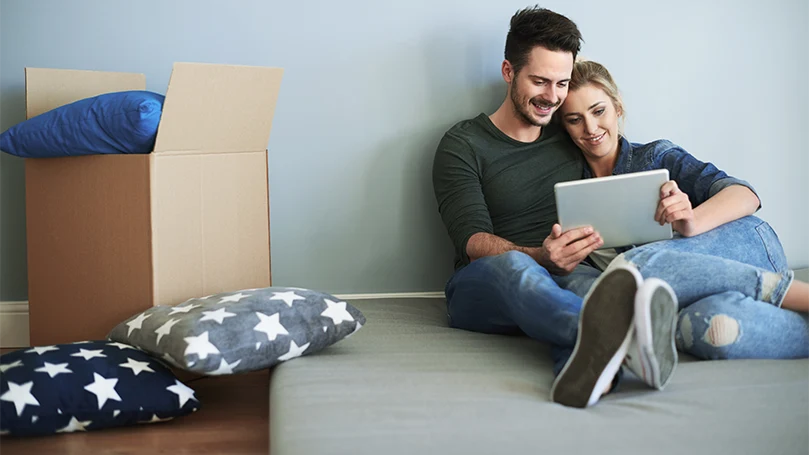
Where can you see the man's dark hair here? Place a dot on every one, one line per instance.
(535, 26)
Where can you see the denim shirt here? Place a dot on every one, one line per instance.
(698, 180)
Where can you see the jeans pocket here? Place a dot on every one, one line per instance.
(775, 252)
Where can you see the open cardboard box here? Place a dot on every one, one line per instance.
(111, 235)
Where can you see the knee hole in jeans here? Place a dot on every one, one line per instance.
(722, 330)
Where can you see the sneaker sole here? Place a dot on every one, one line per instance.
(664, 320)
(605, 330)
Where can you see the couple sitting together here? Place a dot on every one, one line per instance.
(720, 289)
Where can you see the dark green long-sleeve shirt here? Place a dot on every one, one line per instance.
(485, 181)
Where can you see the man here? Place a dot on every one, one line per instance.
(493, 178)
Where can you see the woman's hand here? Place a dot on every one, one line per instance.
(675, 208)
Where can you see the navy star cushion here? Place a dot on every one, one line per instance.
(239, 332)
(86, 386)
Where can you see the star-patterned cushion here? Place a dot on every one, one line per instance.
(239, 332)
(86, 386)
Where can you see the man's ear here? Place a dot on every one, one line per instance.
(508, 72)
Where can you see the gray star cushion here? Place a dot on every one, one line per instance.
(242, 331)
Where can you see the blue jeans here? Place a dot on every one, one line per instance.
(729, 282)
(511, 294)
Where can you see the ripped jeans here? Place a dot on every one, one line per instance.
(730, 283)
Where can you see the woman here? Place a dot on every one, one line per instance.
(727, 268)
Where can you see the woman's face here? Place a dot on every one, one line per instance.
(591, 120)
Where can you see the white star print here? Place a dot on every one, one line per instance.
(271, 325)
(42, 349)
(121, 346)
(183, 309)
(136, 366)
(233, 298)
(53, 370)
(336, 311)
(136, 323)
(20, 395)
(258, 345)
(34, 419)
(87, 354)
(218, 315)
(103, 389)
(184, 393)
(8, 366)
(165, 329)
(116, 412)
(200, 346)
(224, 368)
(74, 425)
(294, 351)
(287, 297)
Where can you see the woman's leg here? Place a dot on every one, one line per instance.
(734, 326)
(749, 240)
(797, 297)
(695, 276)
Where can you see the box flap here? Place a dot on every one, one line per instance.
(218, 108)
(47, 89)
(210, 221)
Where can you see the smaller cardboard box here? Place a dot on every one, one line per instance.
(112, 235)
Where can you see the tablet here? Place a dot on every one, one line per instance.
(620, 207)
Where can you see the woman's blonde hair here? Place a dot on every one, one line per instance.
(588, 72)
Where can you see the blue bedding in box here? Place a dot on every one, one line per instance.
(119, 122)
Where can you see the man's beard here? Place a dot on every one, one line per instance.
(522, 106)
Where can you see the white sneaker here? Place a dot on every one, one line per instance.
(606, 327)
(652, 354)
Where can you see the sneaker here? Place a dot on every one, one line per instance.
(652, 354)
(606, 326)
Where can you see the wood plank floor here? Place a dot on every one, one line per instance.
(233, 419)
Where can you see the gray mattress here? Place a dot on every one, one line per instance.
(408, 384)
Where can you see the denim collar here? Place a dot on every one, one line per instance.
(623, 163)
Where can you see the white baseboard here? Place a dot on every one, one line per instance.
(14, 315)
(394, 295)
(14, 325)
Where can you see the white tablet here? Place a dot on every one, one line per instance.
(620, 207)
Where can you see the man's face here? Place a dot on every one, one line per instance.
(541, 85)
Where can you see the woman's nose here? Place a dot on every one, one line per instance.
(590, 125)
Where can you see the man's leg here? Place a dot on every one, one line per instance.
(511, 293)
(734, 326)
(605, 330)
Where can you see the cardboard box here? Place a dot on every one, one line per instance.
(112, 235)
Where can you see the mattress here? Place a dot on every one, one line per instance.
(408, 384)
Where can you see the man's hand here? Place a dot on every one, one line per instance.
(562, 252)
(675, 208)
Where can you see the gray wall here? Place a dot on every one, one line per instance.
(370, 87)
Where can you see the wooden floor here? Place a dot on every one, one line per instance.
(233, 419)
